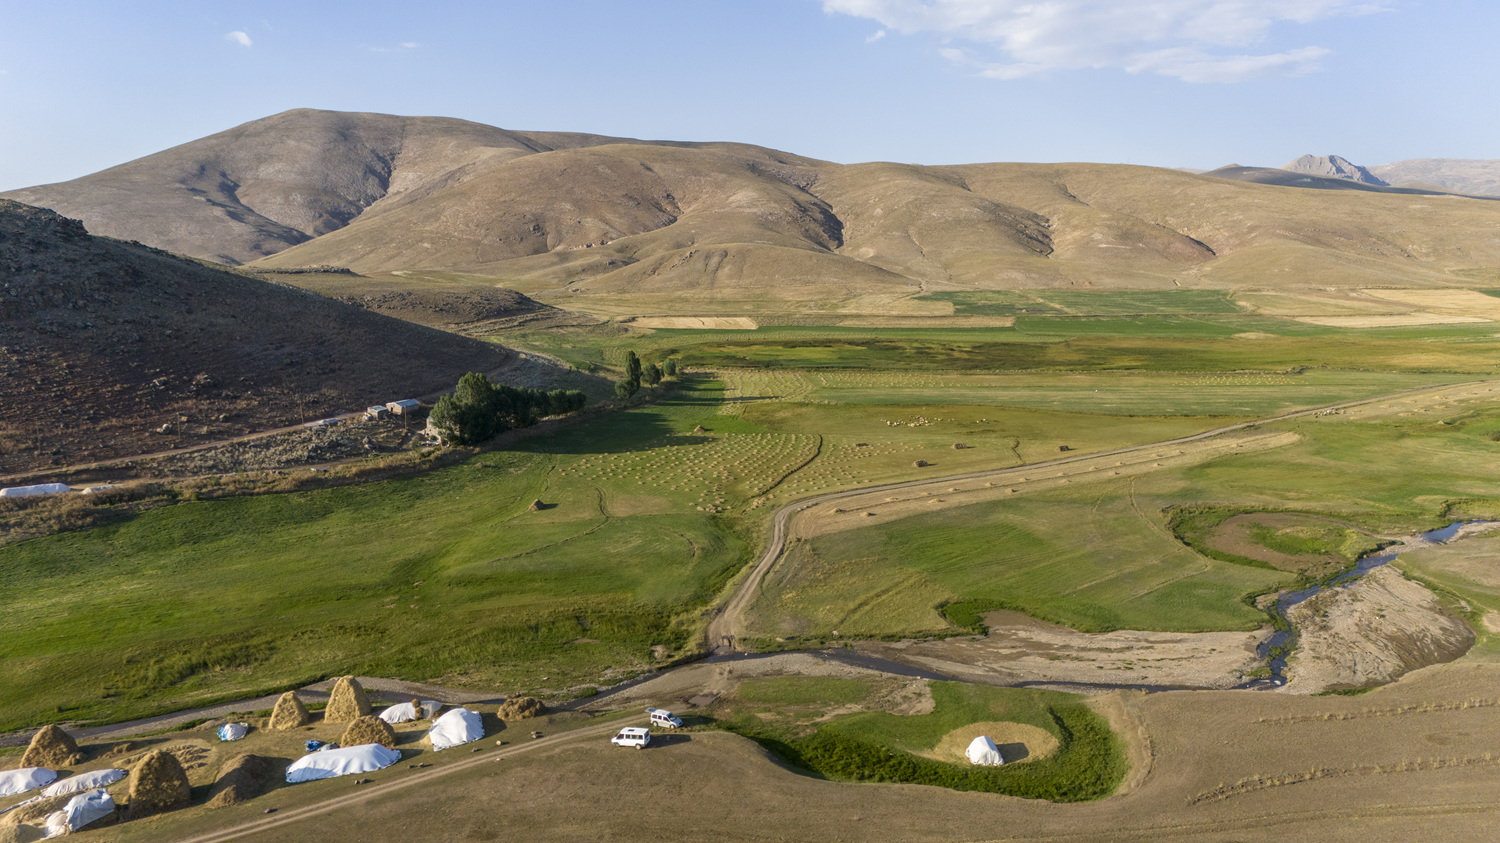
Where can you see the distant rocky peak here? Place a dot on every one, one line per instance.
(1333, 167)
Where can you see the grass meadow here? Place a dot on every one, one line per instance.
(647, 513)
(875, 746)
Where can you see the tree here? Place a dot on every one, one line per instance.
(632, 368)
(651, 375)
(478, 409)
(669, 367)
(626, 388)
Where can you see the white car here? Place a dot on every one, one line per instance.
(636, 736)
(663, 718)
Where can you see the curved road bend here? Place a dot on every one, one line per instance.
(727, 625)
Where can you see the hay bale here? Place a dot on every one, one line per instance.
(52, 747)
(347, 702)
(521, 708)
(36, 813)
(240, 780)
(536, 505)
(23, 833)
(369, 729)
(289, 713)
(421, 713)
(157, 784)
(919, 464)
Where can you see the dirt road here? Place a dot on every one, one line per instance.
(727, 625)
(379, 792)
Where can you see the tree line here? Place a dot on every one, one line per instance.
(478, 410)
(635, 374)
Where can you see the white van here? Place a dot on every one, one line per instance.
(663, 718)
(636, 736)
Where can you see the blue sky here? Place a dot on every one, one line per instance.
(85, 85)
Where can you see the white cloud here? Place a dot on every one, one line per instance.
(238, 37)
(1192, 40)
(404, 45)
(876, 37)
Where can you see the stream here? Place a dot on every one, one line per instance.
(1281, 642)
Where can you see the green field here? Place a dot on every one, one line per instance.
(1101, 555)
(881, 747)
(647, 513)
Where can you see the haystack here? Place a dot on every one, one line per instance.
(369, 729)
(35, 813)
(52, 747)
(240, 780)
(536, 505)
(157, 784)
(289, 713)
(347, 702)
(521, 708)
(22, 833)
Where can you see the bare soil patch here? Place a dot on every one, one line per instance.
(1392, 320)
(1022, 650)
(1369, 633)
(1017, 742)
(721, 323)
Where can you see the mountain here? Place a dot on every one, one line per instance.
(103, 343)
(1473, 177)
(260, 187)
(623, 226)
(1333, 167)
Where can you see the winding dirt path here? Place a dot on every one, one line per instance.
(728, 623)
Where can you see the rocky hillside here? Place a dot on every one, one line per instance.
(110, 349)
(1460, 175)
(1333, 167)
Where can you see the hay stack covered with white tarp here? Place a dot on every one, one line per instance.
(85, 781)
(341, 762)
(81, 810)
(982, 751)
(457, 727)
(15, 782)
(407, 712)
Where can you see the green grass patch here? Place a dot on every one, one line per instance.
(879, 747)
(804, 690)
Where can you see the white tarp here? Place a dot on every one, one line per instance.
(79, 812)
(983, 751)
(41, 489)
(457, 727)
(406, 712)
(341, 762)
(85, 781)
(233, 731)
(13, 782)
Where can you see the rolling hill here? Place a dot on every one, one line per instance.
(111, 349)
(610, 224)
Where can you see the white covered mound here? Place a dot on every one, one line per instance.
(457, 727)
(233, 731)
(349, 760)
(406, 712)
(85, 781)
(982, 751)
(79, 812)
(13, 782)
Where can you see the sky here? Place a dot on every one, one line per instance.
(88, 84)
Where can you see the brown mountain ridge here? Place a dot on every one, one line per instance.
(690, 226)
